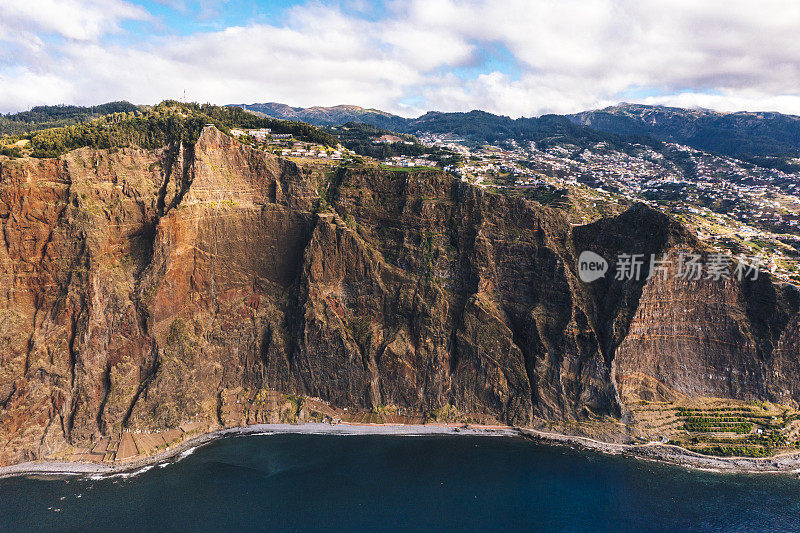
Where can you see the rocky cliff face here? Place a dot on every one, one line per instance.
(137, 285)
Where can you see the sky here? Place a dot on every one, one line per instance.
(516, 58)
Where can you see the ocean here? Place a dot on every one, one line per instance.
(302, 482)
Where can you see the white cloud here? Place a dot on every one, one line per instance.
(22, 88)
(323, 58)
(73, 19)
(568, 55)
(578, 54)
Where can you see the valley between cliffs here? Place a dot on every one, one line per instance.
(141, 290)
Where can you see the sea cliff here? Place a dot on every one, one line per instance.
(139, 286)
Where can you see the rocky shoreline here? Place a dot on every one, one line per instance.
(71, 468)
(788, 463)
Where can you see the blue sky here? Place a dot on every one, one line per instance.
(519, 58)
(187, 17)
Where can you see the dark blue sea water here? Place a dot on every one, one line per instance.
(381, 483)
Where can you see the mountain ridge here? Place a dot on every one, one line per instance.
(739, 134)
(327, 116)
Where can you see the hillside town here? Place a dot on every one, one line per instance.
(731, 204)
(286, 145)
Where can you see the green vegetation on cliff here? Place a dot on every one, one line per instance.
(11, 151)
(166, 123)
(55, 116)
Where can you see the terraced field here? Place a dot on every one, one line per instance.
(719, 427)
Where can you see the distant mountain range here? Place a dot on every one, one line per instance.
(746, 135)
(478, 126)
(767, 139)
(734, 134)
(329, 116)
